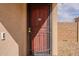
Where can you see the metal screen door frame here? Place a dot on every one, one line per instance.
(49, 36)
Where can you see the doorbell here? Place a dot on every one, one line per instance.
(2, 36)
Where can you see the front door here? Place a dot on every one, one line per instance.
(39, 28)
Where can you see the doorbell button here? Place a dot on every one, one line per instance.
(2, 36)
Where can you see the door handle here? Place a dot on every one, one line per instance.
(29, 29)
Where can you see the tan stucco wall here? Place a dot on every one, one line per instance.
(54, 29)
(13, 23)
(67, 39)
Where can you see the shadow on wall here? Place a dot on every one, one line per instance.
(13, 22)
(8, 46)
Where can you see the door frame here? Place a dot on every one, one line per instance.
(29, 52)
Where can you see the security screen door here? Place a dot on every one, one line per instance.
(39, 29)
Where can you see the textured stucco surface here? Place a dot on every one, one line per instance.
(67, 39)
(54, 29)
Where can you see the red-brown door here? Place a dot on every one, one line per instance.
(39, 18)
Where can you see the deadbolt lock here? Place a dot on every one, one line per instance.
(29, 29)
